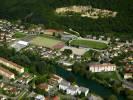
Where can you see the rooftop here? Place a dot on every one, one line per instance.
(65, 83)
(12, 63)
(102, 65)
(6, 71)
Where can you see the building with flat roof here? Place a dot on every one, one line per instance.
(20, 45)
(6, 73)
(72, 90)
(105, 67)
(67, 37)
(64, 85)
(12, 65)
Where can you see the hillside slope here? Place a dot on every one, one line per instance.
(42, 11)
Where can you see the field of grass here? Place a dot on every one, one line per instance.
(106, 75)
(19, 35)
(89, 44)
(46, 42)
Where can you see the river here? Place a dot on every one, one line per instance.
(91, 84)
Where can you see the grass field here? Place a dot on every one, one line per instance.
(106, 75)
(47, 42)
(19, 35)
(89, 44)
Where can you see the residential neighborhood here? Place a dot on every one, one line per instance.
(51, 64)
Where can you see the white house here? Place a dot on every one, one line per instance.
(72, 90)
(128, 75)
(39, 97)
(83, 90)
(102, 67)
(64, 85)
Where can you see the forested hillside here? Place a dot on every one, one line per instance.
(42, 11)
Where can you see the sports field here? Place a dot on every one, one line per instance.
(89, 44)
(47, 42)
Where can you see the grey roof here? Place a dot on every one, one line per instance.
(83, 89)
(65, 83)
(72, 88)
(18, 46)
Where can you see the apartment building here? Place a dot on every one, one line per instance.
(12, 65)
(6, 73)
(105, 67)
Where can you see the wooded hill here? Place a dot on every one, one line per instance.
(42, 11)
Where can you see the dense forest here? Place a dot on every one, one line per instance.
(42, 11)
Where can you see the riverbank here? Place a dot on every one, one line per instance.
(94, 86)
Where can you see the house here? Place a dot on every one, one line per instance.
(12, 65)
(6, 73)
(39, 97)
(128, 75)
(102, 67)
(26, 75)
(14, 91)
(64, 85)
(44, 86)
(72, 90)
(51, 31)
(83, 90)
(56, 78)
(19, 45)
(129, 68)
(67, 37)
(67, 63)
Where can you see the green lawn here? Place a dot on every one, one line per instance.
(106, 75)
(45, 41)
(89, 44)
(19, 35)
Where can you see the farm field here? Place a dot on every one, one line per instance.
(47, 42)
(89, 44)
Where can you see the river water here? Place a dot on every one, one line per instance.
(94, 86)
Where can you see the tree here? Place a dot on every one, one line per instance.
(112, 97)
(67, 52)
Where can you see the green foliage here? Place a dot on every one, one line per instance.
(112, 97)
(31, 60)
(42, 11)
(19, 35)
(67, 52)
(1, 77)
